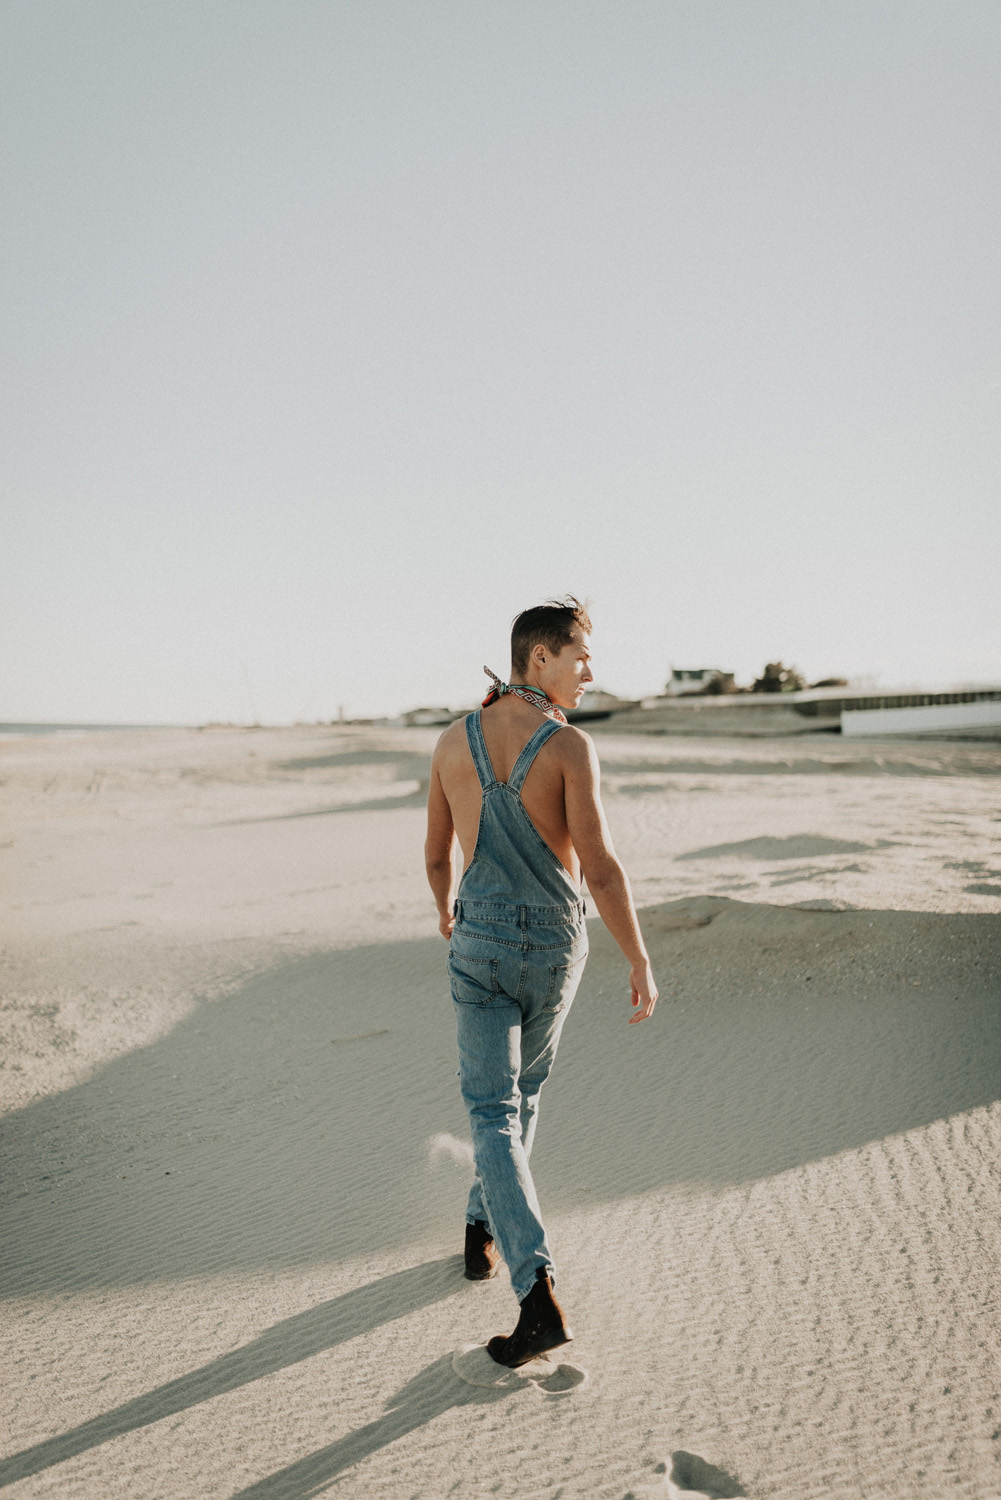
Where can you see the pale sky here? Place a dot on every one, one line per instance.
(335, 332)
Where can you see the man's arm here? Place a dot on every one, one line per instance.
(606, 879)
(438, 847)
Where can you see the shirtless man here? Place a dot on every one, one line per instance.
(520, 789)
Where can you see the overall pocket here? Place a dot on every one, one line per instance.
(473, 980)
(563, 981)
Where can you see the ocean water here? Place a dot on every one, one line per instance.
(16, 731)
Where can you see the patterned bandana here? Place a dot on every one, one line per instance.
(522, 690)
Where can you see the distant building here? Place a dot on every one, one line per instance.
(686, 680)
(425, 718)
(597, 704)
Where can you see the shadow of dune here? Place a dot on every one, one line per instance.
(795, 846)
(282, 1125)
(287, 1343)
(389, 803)
(410, 762)
(405, 767)
(783, 1036)
(289, 1123)
(750, 765)
(890, 758)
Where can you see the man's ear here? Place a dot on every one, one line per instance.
(537, 655)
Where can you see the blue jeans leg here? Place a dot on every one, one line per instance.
(501, 1098)
(539, 1040)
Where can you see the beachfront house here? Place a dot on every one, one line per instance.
(696, 680)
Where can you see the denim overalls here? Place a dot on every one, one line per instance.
(514, 962)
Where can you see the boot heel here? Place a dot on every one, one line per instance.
(541, 1326)
(481, 1255)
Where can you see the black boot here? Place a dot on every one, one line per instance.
(482, 1258)
(541, 1326)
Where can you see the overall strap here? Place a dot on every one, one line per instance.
(521, 766)
(478, 750)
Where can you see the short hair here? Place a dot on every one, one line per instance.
(551, 623)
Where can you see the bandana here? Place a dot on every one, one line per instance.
(522, 690)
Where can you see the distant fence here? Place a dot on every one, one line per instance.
(824, 708)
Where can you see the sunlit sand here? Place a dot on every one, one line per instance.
(236, 1159)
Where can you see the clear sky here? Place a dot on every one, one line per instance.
(335, 332)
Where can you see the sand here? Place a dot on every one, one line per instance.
(235, 1160)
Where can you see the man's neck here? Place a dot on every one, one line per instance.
(531, 692)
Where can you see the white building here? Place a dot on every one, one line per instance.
(692, 679)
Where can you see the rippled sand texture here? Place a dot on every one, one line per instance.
(235, 1160)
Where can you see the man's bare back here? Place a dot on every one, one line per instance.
(508, 725)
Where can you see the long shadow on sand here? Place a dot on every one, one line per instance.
(293, 1122)
(287, 1343)
(435, 1390)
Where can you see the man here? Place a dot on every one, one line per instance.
(520, 789)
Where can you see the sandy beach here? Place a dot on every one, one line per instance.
(235, 1159)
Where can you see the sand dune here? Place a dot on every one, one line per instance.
(235, 1159)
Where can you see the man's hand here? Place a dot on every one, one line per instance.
(446, 922)
(643, 992)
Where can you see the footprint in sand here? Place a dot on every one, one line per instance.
(473, 1364)
(691, 1478)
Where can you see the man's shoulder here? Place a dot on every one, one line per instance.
(451, 739)
(575, 745)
